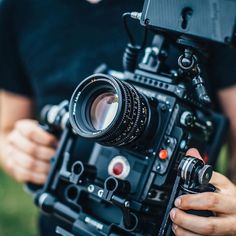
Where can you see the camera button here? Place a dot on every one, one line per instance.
(163, 154)
(118, 168)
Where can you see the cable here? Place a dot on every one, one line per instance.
(124, 17)
(136, 16)
(131, 53)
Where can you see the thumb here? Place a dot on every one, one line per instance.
(223, 184)
(194, 153)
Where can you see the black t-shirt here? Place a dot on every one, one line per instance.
(48, 46)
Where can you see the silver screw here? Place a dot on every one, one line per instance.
(91, 188)
(100, 193)
(127, 204)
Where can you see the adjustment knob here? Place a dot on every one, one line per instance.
(187, 118)
(205, 174)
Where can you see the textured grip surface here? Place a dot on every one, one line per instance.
(210, 19)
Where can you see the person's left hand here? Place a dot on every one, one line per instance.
(222, 202)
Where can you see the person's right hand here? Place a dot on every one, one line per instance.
(222, 202)
(27, 152)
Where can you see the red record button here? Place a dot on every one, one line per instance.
(118, 168)
(163, 154)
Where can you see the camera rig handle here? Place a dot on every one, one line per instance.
(54, 120)
(193, 177)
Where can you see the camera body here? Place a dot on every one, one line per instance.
(149, 164)
(142, 123)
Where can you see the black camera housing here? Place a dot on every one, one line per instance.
(209, 21)
(93, 199)
(128, 187)
(179, 123)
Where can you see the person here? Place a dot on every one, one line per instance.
(47, 47)
(222, 203)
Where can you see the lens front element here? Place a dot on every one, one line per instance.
(103, 110)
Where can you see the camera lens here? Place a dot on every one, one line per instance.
(109, 111)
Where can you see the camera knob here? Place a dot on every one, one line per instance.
(186, 61)
(194, 172)
(205, 174)
(187, 118)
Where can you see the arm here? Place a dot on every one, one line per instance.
(222, 202)
(26, 149)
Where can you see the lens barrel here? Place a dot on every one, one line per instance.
(109, 111)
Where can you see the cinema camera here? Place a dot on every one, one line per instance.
(142, 122)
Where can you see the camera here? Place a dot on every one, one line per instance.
(142, 122)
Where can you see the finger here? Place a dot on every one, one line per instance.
(194, 153)
(23, 175)
(27, 146)
(32, 131)
(203, 225)
(178, 231)
(28, 163)
(223, 184)
(207, 201)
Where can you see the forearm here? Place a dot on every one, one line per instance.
(12, 108)
(232, 157)
(4, 133)
(5, 129)
(2, 145)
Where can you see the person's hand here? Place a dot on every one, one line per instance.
(222, 203)
(27, 151)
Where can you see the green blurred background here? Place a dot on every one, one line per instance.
(18, 215)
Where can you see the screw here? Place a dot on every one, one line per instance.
(146, 209)
(127, 204)
(146, 21)
(168, 141)
(158, 167)
(91, 188)
(163, 107)
(186, 62)
(100, 193)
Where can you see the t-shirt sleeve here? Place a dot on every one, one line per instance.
(12, 74)
(222, 67)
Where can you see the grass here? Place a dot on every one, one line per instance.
(221, 165)
(18, 215)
